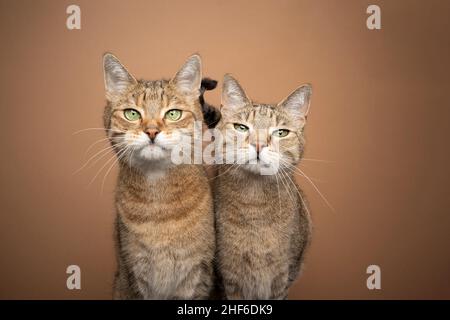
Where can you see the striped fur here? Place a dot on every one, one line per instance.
(165, 224)
(263, 224)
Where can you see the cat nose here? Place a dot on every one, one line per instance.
(258, 146)
(152, 133)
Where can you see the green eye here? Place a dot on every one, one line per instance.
(131, 114)
(173, 114)
(240, 127)
(280, 133)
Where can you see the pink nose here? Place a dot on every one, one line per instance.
(152, 133)
(259, 146)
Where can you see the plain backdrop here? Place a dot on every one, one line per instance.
(377, 134)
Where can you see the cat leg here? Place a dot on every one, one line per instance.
(232, 289)
(280, 286)
(197, 284)
(122, 289)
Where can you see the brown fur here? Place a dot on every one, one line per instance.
(165, 225)
(263, 224)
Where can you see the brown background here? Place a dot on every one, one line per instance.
(380, 117)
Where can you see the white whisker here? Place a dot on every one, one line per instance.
(227, 169)
(112, 165)
(299, 193)
(317, 160)
(279, 195)
(105, 164)
(93, 129)
(102, 152)
(314, 186)
(93, 144)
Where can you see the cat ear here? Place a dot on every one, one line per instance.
(297, 103)
(189, 78)
(233, 96)
(117, 78)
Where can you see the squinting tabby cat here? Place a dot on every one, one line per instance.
(263, 225)
(165, 223)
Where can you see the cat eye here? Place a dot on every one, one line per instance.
(131, 114)
(280, 133)
(240, 127)
(173, 114)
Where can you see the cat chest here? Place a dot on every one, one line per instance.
(160, 271)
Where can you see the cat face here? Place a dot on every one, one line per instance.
(145, 120)
(263, 137)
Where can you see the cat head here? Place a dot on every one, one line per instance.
(264, 137)
(145, 120)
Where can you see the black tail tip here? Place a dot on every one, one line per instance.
(209, 84)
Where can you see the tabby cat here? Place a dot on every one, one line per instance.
(165, 230)
(263, 225)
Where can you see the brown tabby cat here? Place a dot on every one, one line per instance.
(165, 222)
(263, 225)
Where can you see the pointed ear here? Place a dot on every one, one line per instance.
(233, 96)
(189, 78)
(297, 103)
(117, 78)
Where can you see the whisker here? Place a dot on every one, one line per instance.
(299, 193)
(228, 169)
(318, 160)
(316, 188)
(93, 144)
(318, 191)
(104, 151)
(294, 169)
(236, 168)
(121, 144)
(130, 157)
(286, 185)
(287, 165)
(105, 164)
(111, 166)
(306, 159)
(279, 195)
(93, 129)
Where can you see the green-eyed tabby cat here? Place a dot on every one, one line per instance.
(263, 225)
(165, 220)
